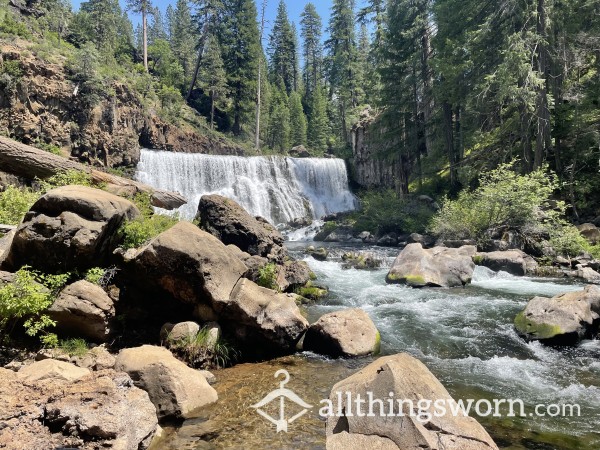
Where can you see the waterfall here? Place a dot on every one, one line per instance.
(277, 188)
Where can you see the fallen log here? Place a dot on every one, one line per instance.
(29, 162)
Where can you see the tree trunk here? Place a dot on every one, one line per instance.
(29, 162)
(145, 36)
(543, 111)
(427, 80)
(198, 61)
(258, 88)
(449, 142)
(212, 111)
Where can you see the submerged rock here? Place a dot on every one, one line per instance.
(417, 428)
(436, 267)
(562, 320)
(350, 332)
(515, 262)
(230, 223)
(69, 228)
(175, 389)
(360, 261)
(320, 254)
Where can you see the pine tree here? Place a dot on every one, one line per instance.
(182, 37)
(313, 53)
(156, 29)
(282, 50)
(297, 120)
(212, 75)
(143, 7)
(318, 128)
(279, 118)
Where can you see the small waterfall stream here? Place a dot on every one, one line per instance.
(277, 188)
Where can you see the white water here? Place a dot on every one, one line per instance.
(277, 188)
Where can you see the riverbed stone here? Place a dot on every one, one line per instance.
(565, 319)
(83, 309)
(436, 267)
(69, 228)
(52, 370)
(588, 275)
(231, 224)
(176, 390)
(348, 333)
(409, 380)
(515, 262)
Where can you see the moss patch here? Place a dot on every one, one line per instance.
(477, 259)
(536, 330)
(377, 346)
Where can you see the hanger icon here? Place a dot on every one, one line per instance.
(282, 394)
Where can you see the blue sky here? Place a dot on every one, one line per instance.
(294, 7)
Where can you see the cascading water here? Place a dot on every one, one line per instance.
(277, 188)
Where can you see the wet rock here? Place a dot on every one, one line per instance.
(360, 261)
(345, 333)
(388, 240)
(70, 227)
(175, 389)
(564, 319)
(311, 291)
(300, 222)
(51, 369)
(293, 274)
(418, 427)
(424, 240)
(85, 310)
(231, 224)
(515, 262)
(320, 254)
(436, 267)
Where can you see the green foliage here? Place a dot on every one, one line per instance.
(26, 298)
(95, 275)
(14, 203)
(297, 120)
(74, 347)
(50, 148)
(12, 27)
(267, 276)
(67, 178)
(140, 231)
(202, 350)
(384, 212)
(10, 76)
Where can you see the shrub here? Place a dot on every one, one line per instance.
(74, 347)
(14, 203)
(202, 351)
(67, 178)
(27, 297)
(139, 231)
(101, 277)
(267, 277)
(10, 26)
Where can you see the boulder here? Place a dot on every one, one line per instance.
(176, 390)
(5, 243)
(320, 254)
(425, 240)
(188, 265)
(350, 332)
(360, 261)
(588, 275)
(562, 320)
(52, 370)
(83, 309)
(69, 228)
(299, 151)
(388, 240)
(436, 267)
(100, 410)
(179, 331)
(515, 262)
(231, 224)
(97, 358)
(590, 232)
(262, 319)
(293, 274)
(416, 428)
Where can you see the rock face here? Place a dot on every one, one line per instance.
(175, 389)
(71, 227)
(231, 224)
(561, 320)
(345, 333)
(5, 243)
(262, 316)
(436, 267)
(83, 309)
(51, 369)
(418, 428)
(515, 262)
(101, 410)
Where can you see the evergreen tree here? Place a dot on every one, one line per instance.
(212, 75)
(297, 120)
(318, 128)
(282, 50)
(143, 7)
(279, 119)
(182, 36)
(313, 53)
(156, 29)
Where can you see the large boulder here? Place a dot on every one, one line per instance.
(416, 428)
(436, 267)
(189, 265)
(71, 227)
(176, 390)
(515, 262)
(350, 332)
(100, 410)
(590, 232)
(230, 223)
(293, 274)
(83, 309)
(562, 320)
(51, 369)
(262, 320)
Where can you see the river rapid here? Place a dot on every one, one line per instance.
(465, 337)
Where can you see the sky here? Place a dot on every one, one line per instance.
(294, 8)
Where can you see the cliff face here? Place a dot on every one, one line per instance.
(42, 106)
(370, 169)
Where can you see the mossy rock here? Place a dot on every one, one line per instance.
(535, 330)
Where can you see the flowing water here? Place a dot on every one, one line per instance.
(464, 336)
(277, 188)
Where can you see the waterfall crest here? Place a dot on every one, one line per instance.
(277, 188)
